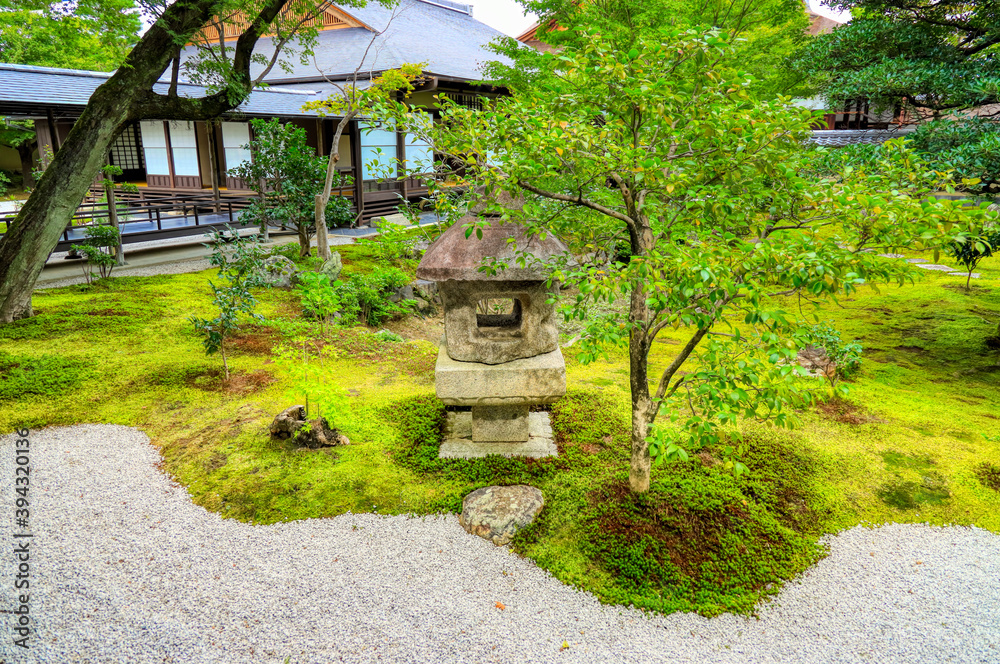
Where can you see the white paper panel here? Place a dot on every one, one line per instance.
(185, 161)
(156, 159)
(236, 156)
(382, 138)
(383, 166)
(419, 157)
(152, 134)
(182, 134)
(235, 134)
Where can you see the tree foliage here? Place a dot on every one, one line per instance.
(933, 56)
(287, 174)
(925, 60)
(765, 33)
(94, 35)
(715, 196)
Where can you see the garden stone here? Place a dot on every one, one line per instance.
(428, 290)
(280, 272)
(397, 219)
(402, 293)
(418, 249)
(332, 267)
(497, 513)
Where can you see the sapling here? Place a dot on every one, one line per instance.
(844, 359)
(96, 248)
(973, 250)
(241, 268)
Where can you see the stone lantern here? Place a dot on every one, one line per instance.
(500, 352)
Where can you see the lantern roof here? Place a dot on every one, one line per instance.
(454, 256)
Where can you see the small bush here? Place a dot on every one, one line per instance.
(367, 296)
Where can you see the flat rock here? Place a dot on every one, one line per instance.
(892, 255)
(916, 260)
(939, 268)
(497, 513)
(975, 275)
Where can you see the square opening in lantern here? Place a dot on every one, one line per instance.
(498, 313)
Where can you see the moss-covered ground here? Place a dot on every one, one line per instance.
(917, 439)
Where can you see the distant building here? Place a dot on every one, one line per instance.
(182, 157)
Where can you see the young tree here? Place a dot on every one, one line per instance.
(660, 151)
(348, 102)
(129, 96)
(288, 174)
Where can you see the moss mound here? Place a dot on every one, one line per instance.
(41, 375)
(700, 540)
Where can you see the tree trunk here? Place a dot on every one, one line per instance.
(24, 151)
(37, 227)
(640, 462)
(127, 96)
(303, 230)
(323, 199)
(322, 241)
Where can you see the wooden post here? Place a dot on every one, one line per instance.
(213, 166)
(359, 194)
(109, 195)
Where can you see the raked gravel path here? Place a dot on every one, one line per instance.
(126, 569)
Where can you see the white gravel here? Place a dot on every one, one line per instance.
(126, 569)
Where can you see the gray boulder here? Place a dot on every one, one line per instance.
(280, 272)
(291, 423)
(402, 293)
(332, 267)
(497, 513)
(428, 290)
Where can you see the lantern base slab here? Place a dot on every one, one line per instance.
(458, 443)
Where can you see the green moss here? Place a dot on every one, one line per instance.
(909, 445)
(23, 376)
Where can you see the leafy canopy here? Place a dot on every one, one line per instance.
(716, 198)
(765, 33)
(83, 34)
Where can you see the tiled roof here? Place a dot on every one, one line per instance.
(439, 32)
(838, 138)
(25, 89)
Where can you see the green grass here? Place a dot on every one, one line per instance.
(916, 440)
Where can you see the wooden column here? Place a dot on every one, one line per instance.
(213, 165)
(354, 132)
(170, 153)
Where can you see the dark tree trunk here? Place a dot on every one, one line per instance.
(24, 151)
(640, 463)
(126, 96)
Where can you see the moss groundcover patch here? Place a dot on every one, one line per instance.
(914, 441)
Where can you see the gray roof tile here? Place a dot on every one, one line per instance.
(24, 86)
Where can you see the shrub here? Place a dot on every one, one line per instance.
(242, 268)
(320, 298)
(845, 358)
(97, 248)
(368, 295)
(973, 250)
